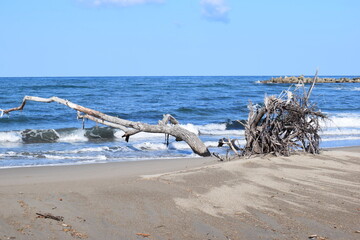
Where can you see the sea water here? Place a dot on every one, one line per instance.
(50, 134)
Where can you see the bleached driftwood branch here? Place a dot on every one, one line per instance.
(129, 127)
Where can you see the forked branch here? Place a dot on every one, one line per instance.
(129, 127)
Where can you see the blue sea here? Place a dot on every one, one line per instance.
(50, 134)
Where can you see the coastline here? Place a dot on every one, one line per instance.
(187, 198)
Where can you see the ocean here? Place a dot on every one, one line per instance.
(50, 134)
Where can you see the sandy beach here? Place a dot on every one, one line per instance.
(297, 197)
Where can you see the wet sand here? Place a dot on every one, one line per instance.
(200, 198)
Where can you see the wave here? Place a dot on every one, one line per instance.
(141, 135)
(72, 136)
(151, 146)
(224, 129)
(92, 149)
(81, 150)
(340, 138)
(179, 145)
(10, 137)
(339, 131)
(347, 88)
(9, 154)
(59, 157)
(192, 128)
(58, 135)
(39, 136)
(338, 124)
(349, 120)
(94, 133)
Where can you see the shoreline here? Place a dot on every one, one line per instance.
(125, 169)
(346, 148)
(263, 197)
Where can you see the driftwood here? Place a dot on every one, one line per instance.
(231, 143)
(281, 125)
(168, 125)
(50, 216)
(284, 124)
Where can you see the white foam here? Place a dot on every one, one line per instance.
(212, 129)
(12, 137)
(240, 142)
(179, 145)
(339, 131)
(81, 150)
(151, 146)
(340, 138)
(211, 143)
(342, 120)
(191, 127)
(96, 149)
(219, 129)
(74, 136)
(118, 133)
(141, 135)
(57, 157)
(9, 154)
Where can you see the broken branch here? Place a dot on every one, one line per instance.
(129, 127)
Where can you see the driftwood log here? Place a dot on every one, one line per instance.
(168, 125)
(50, 216)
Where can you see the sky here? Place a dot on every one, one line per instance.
(40, 38)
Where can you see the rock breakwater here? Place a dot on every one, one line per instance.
(303, 79)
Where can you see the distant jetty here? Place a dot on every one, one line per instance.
(304, 79)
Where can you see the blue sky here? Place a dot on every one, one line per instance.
(179, 37)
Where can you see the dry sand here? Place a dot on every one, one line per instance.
(257, 198)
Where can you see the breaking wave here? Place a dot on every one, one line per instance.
(59, 135)
(337, 138)
(59, 157)
(12, 137)
(105, 144)
(73, 135)
(224, 129)
(151, 146)
(340, 124)
(349, 120)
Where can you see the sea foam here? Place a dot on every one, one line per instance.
(77, 135)
(349, 120)
(13, 137)
(150, 146)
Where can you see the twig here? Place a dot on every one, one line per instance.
(49, 215)
(312, 87)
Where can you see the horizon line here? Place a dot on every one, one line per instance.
(109, 76)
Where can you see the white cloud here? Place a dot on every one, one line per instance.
(122, 3)
(216, 10)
